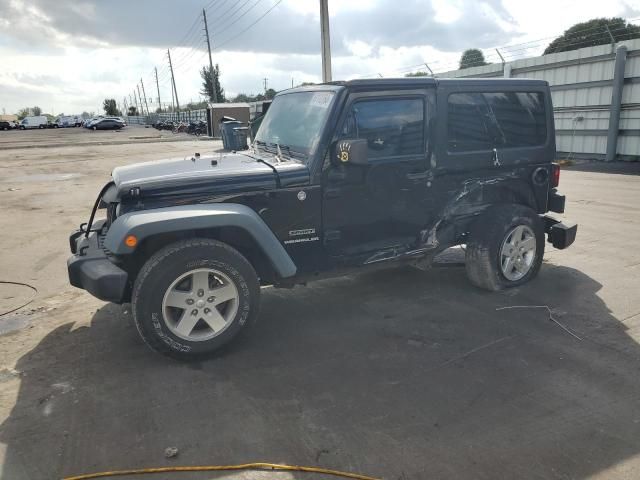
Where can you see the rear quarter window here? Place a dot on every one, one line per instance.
(487, 120)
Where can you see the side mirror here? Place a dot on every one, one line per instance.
(352, 151)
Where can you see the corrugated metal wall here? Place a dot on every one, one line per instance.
(582, 84)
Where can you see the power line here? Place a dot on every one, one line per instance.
(229, 25)
(249, 26)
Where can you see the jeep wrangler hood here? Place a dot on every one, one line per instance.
(230, 172)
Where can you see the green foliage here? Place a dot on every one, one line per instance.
(472, 57)
(417, 74)
(593, 32)
(196, 105)
(211, 80)
(27, 112)
(23, 112)
(246, 98)
(133, 111)
(110, 107)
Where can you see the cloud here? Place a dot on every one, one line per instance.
(287, 29)
(68, 55)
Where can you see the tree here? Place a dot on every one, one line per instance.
(244, 98)
(209, 79)
(195, 105)
(133, 111)
(417, 74)
(593, 32)
(35, 111)
(23, 112)
(110, 107)
(472, 57)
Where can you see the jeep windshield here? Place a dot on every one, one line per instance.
(294, 123)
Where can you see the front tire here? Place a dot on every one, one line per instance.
(505, 247)
(193, 297)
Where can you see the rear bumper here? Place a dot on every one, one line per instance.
(558, 234)
(91, 269)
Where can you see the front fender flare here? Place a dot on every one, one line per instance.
(146, 223)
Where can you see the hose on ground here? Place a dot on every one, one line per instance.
(218, 468)
(35, 292)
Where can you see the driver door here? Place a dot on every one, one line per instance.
(372, 211)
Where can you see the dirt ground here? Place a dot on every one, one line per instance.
(399, 374)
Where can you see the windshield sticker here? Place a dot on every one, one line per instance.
(321, 99)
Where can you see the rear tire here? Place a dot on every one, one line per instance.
(219, 289)
(505, 247)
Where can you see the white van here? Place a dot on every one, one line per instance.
(33, 122)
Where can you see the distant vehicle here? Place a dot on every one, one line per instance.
(107, 124)
(6, 125)
(92, 121)
(65, 121)
(39, 121)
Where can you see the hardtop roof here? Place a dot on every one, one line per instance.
(418, 82)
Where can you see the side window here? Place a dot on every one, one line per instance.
(521, 117)
(392, 127)
(482, 121)
(468, 124)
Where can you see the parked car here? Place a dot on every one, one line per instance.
(67, 121)
(39, 121)
(6, 125)
(341, 177)
(107, 124)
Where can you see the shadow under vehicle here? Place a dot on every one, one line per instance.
(411, 381)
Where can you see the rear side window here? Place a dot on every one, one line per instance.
(482, 121)
(392, 127)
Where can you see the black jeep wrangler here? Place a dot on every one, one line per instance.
(340, 176)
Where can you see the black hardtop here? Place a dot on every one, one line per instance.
(420, 82)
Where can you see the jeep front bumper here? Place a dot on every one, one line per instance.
(558, 234)
(91, 269)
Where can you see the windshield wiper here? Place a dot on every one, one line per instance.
(278, 149)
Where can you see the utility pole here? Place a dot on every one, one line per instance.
(213, 81)
(136, 99)
(264, 81)
(158, 87)
(145, 96)
(173, 81)
(326, 40)
(140, 98)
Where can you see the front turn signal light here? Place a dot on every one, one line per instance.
(131, 241)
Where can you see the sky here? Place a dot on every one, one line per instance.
(67, 56)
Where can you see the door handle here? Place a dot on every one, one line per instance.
(417, 176)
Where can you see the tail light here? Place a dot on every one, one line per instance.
(555, 175)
